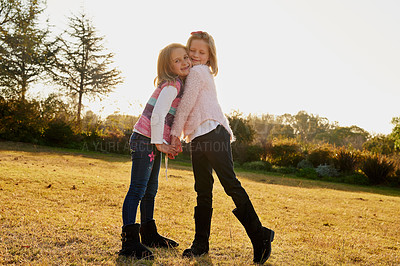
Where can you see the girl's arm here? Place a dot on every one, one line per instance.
(193, 86)
(160, 111)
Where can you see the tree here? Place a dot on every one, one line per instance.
(8, 9)
(82, 69)
(380, 144)
(395, 135)
(120, 124)
(307, 126)
(90, 122)
(25, 51)
(241, 127)
(243, 130)
(263, 125)
(344, 136)
(282, 131)
(20, 120)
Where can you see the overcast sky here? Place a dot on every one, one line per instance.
(336, 59)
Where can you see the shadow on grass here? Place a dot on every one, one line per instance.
(294, 181)
(39, 149)
(203, 260)
(121, 261)
(165, 257)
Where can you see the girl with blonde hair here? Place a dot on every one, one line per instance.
(150, 138)
(202, 123)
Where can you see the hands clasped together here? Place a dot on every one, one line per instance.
(172, 149)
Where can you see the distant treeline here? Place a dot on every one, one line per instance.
(303, 144)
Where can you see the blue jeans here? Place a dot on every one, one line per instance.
(146, 162)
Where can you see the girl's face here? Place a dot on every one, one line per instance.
(199, 52)
(181, 63)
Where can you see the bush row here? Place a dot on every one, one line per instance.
(43, 123)
(325, 162)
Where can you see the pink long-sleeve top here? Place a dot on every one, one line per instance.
(159, 112)
(198, 104)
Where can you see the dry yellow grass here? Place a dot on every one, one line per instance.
(63, 207)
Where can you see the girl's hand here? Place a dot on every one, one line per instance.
(175, 141)
(167, 149)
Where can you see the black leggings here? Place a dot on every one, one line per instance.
(213, 151)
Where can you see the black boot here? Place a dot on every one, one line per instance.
(202, 220)
(131, 246)
(151, 238)
(261, 237)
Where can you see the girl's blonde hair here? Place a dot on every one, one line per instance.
(202, 35)
(164, 69)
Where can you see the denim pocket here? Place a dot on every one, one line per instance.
(140, 149)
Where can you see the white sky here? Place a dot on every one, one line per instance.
(337, 59)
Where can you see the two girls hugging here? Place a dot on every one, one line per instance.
(185, 104)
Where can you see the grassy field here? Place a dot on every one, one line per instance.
(61, 207)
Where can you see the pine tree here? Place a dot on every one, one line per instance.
(83, 69)
(25, 52)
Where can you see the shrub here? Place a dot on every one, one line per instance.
(285, 169)
(253, 153)
(377, 168)
(346, 161)
(304, 164)
(286, 152)
(320, 155)
(394, 181)
(308, 173)
(241, 127)
(21, 121)
(380, 144)
(110, 143)
(326, 170)
(258, 165)
(246, 153)
(58, 133)
(355, 178)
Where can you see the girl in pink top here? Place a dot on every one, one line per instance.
(151, 136)
(200, 120)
